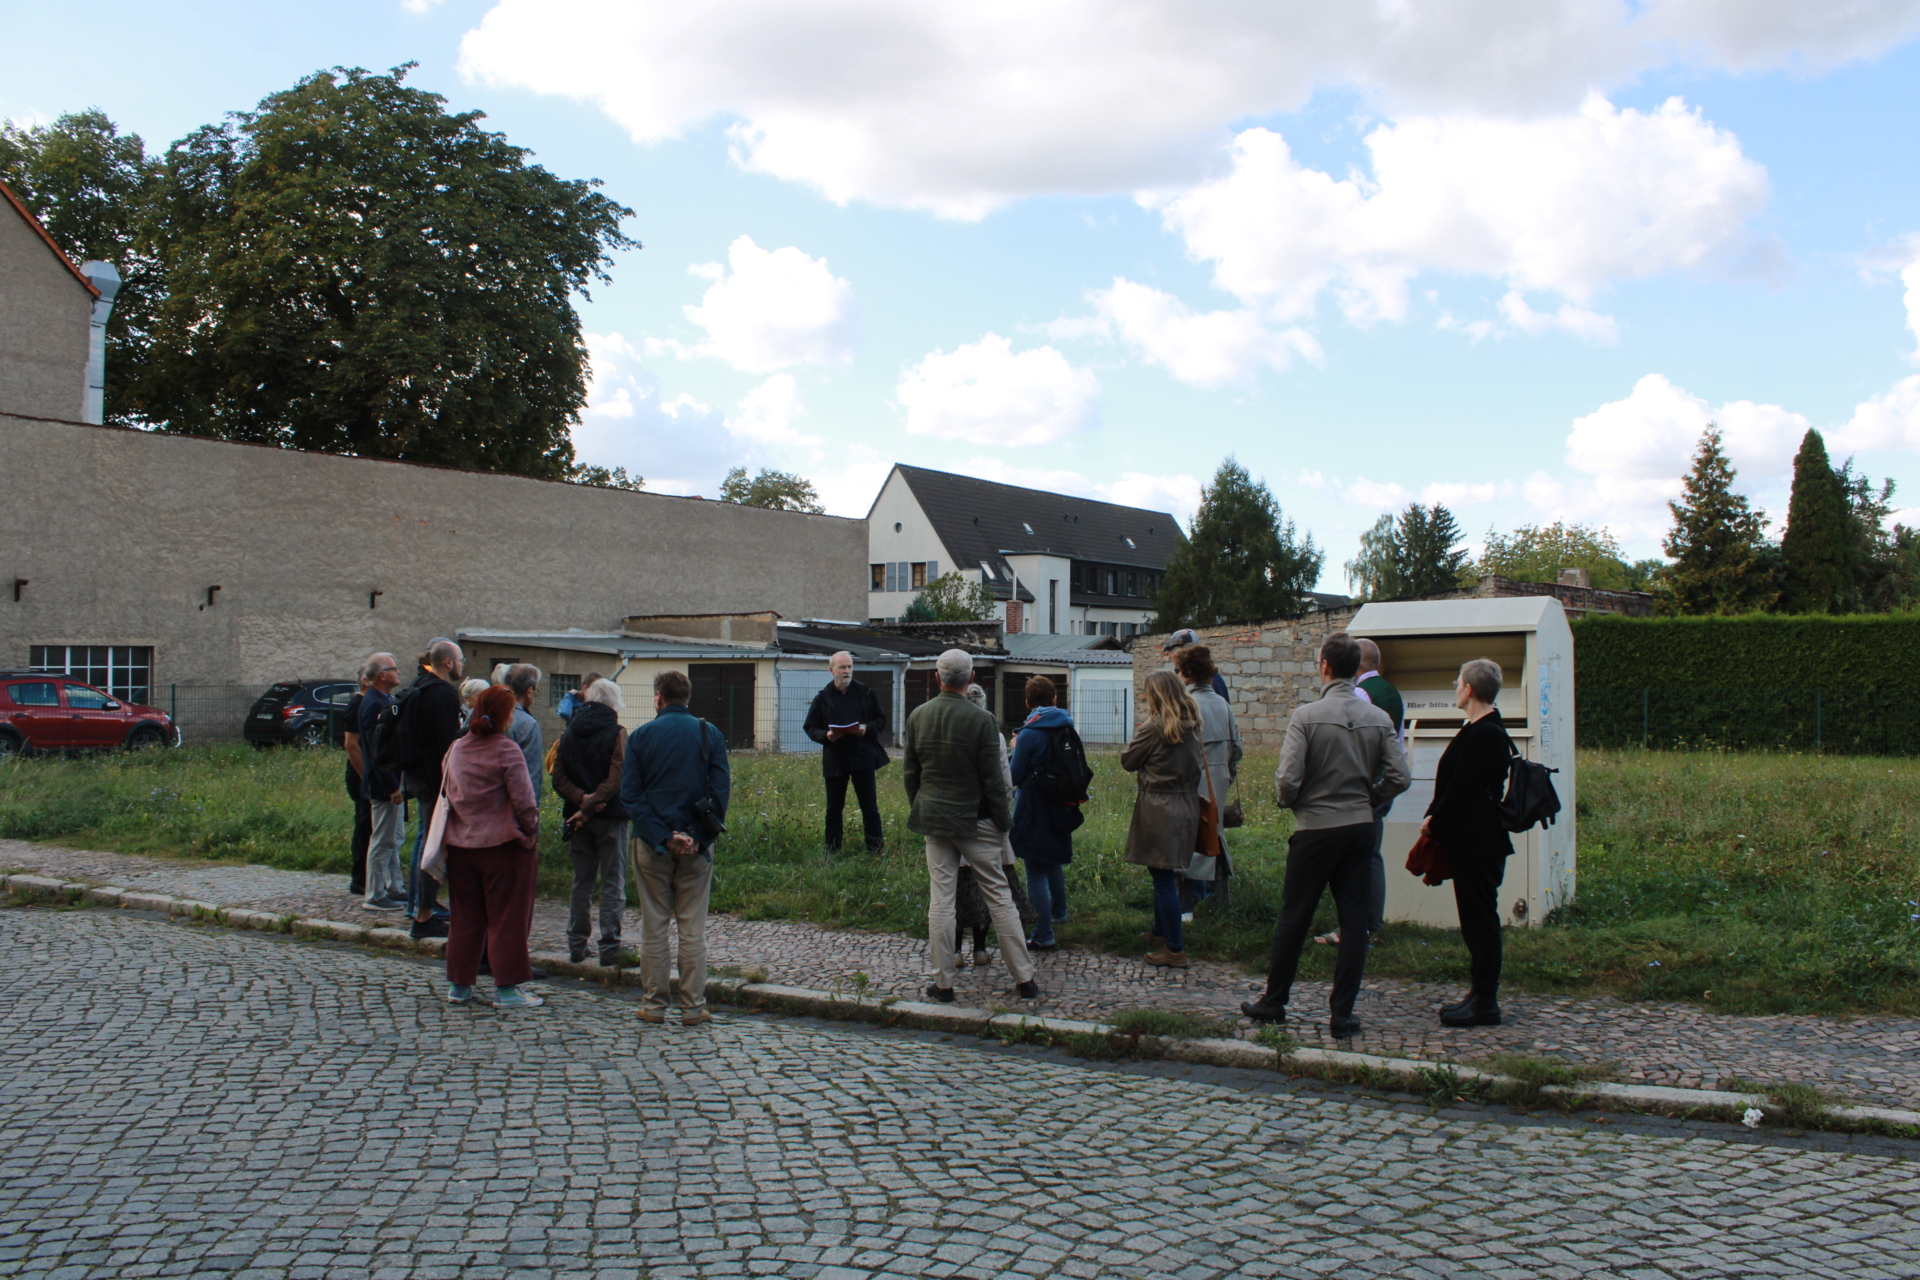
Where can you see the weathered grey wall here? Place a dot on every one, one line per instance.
(44, 311)
(121, 533)
(1271, 668)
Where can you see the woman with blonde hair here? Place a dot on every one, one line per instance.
(1167, 757)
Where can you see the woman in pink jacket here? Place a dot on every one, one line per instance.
(493, 831)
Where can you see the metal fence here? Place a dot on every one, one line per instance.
(1816, 721)
(209, 712)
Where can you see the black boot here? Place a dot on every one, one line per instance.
(1476, 1011)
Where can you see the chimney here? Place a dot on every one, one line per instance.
(1576, 578)
(103, 277)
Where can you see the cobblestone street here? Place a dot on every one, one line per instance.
(1869, 1060)
(186, 1100)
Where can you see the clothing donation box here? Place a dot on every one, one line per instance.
(1422, 646)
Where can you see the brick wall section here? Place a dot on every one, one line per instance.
(1270, 667)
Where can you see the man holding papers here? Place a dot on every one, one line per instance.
(846, 719)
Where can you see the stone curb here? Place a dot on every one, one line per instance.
(857, 1006)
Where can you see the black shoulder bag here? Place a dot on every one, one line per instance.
(705, 810)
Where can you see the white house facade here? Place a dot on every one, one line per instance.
(1054, 564)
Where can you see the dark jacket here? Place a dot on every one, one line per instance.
(590, 762)
(374, 785)
(662, 779)
(858, 705)
(951, 765)
(433, 723)
(1467, 787)
(1042, 828)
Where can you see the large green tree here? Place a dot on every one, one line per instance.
(774, 490)
(1241, 561)
(89, 185)
(1821, 544)
(1721, 561)
(1416, 553)
(1537, 553)
(353, 269)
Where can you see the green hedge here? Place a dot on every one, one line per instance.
(1757, 651)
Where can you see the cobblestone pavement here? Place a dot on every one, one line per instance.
(188, 1100)
(1867, 1060)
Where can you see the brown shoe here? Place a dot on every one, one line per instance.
(695, 1017)
(1168, 959)
(653, 1017)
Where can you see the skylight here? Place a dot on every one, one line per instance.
(1128, 541)
(1026, 526)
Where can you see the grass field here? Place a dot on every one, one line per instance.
(1748, 883)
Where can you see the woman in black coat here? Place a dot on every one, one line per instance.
(1464, 821)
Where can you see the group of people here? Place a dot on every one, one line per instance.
(469, 758)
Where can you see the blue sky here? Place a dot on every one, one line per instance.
(1509, 254)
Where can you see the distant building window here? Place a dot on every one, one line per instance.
(125, 671)
(559, 684)
(1113, 582)
(1133, 583)
(877, 577)
(1026, 526)
(919, 576)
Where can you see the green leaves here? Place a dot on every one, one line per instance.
(1718, 542)
(1240, 561)
(1820, 547)
(774, 490)
(1417, 553)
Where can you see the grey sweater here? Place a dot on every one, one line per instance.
(1333, 750)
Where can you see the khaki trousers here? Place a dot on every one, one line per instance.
(672, 890)
(983, 852)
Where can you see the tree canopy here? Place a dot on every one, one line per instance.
(1721, 557)
(950, 598)
(1417, 553)
(1820, 544)
(1240, 561)
(349, 268)
(775, 490)
(1537, 553)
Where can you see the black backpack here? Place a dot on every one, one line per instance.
(1065, 775)
(1530, 797)
(392, 746)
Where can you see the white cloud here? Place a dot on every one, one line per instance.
(777, 309)
(1372, 493)
(959, 109)
(679, 445)
(767, 412)
(1577, 321)
(1890, 420)
(1202, 349)
(418, 6)
(1392, 496)
(1564, 204)
(986, 393)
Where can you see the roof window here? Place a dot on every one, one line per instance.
(1129, 542)
(1026, 526)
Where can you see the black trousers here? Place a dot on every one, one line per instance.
(362, 833)
(1476, 891)
(1336, 857)
(869, 796)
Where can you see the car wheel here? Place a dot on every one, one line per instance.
(145, 738)
(312, 736)
(10, 744)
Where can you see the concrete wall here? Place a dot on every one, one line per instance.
(1270, 667)
(44, 311)
(121, 533)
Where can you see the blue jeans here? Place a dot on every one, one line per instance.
(1047, 890)
(1166, 907)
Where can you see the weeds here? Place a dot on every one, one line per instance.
(1443, 1085)
(1281, 1042)
(1171, 1023)
(1796, 1104)
(1751, 883)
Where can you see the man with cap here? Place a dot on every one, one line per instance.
(1180, 640)
(963, 806)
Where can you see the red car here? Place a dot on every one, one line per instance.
(46, 711)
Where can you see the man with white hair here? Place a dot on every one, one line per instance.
(523, 678)
(846, 720)
(964, 808)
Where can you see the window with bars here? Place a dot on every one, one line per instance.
(125, 671)
(559, 685)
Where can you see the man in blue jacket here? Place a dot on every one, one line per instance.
(674, 762)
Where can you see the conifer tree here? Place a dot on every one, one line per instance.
(1717, 540)
(1242, 561)
(1819, 546)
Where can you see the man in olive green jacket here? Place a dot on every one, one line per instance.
(961, 804)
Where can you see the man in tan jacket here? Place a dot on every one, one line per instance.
(1333, 751)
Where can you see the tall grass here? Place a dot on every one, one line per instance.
(1746, 882)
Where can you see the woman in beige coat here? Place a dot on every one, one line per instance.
(1167, 757)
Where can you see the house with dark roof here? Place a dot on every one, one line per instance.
(1054, 564)
(48, 313)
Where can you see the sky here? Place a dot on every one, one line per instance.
(1508, 255)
